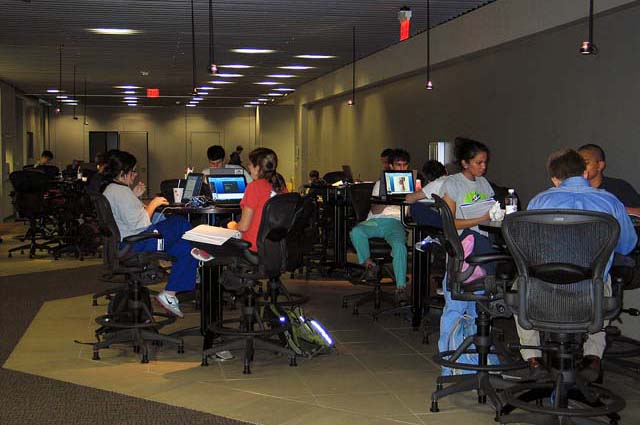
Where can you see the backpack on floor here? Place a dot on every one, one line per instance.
(306, 337)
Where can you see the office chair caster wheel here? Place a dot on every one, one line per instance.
(181, 349)
(96, 355)
(434, 406)
(293, 362)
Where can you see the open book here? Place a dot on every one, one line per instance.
(476, 209)
(211, 234)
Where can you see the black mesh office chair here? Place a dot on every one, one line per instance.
(380, 252)
(561, 257)
(334, 177)
(257, 327)
(30, 204)
(487, 293)
(130, 318)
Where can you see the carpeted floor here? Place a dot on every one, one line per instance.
(29, 399)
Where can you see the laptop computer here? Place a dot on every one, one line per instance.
(227, 189)
(397, 184)
(192, 189)
(225, 171)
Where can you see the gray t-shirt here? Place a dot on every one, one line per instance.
(464, 191)
(127, 209)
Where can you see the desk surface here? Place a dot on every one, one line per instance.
(209, 209)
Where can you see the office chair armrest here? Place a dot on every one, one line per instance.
(488, 258)
(141, 236)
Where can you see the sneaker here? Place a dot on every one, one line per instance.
(170, 303)
(401, 296)
(370, 274)
(589, 368)
(534, 372)
(201, 255)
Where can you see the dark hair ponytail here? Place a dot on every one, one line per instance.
(119, 162)
(266, 161)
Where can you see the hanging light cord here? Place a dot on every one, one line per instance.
(353, 75)
(193, 46)
(86, 100)
(428, 41)
(74, 92)
(591, 22)
(211, 53)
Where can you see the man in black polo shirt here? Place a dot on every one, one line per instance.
(594, 158)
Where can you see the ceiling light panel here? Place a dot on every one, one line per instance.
(268, 83)
(297, 67)
(315, 56)
(281, 76)
(113, 31)
(225, 75)
(253, 51)
(235, 66)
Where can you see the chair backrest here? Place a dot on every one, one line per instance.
(166, 188)
(561, 258)
(30, 187)
(108, 229)
(455, 254)
(360, 197)
(277, 219)
(296, 237)
(334, 177)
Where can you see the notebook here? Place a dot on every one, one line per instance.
(210, 234)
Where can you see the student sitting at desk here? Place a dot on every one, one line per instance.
(263, 164)
(435, 175)
(133, 217)
(569, 174)
(384, 222)
(216, 156)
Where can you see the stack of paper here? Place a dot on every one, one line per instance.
(210, 234)
(476, 209)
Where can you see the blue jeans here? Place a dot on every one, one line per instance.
(184, 268)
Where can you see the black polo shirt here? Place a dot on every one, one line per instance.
(622, 190)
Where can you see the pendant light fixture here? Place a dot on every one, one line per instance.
(429, 84)
(193, 51)
(587, 47)
(75, 117)
(212, 68)
(352, 100)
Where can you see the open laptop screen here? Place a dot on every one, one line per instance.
(192, 187)
(399, 182)
(227, 187)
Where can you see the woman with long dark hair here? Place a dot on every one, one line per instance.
(263, 164)
(133, 217)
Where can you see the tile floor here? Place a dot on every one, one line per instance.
(380, 374)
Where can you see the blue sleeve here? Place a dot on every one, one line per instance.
(628, 236)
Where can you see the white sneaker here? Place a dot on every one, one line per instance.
(169, 303)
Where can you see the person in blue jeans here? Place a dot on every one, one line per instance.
(133, 217)
(384, 222)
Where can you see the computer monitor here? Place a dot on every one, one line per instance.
(397, 183)
(227, 188)
(225, 171)
(192, 187)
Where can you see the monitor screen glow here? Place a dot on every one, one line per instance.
(399, 182)
(227, 187)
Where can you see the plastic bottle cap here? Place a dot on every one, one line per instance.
(511, 191)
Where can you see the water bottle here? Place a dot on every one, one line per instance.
(79, 175)
(511, 202)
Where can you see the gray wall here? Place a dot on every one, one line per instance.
(524, 100)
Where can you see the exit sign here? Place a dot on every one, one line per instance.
(153, 92)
